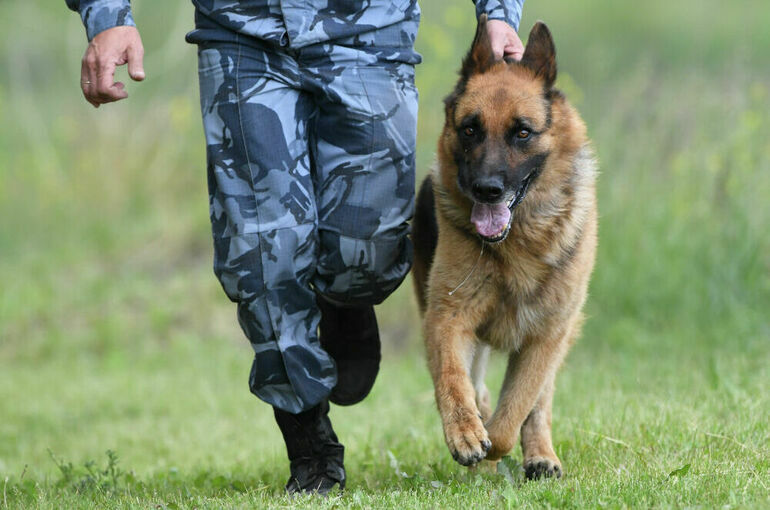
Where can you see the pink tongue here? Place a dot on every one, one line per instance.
(490, 219)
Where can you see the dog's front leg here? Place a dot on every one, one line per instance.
(450, 345)
(528, 373)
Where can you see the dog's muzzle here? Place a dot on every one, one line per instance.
(493, 220)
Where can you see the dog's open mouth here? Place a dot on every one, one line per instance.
(493, 221)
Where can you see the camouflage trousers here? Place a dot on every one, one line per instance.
(311, 156)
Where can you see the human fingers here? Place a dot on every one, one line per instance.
(498, 47)
(107, 90)
(88, 77)
(514, 48)
(513, 51)
(498, 36)
(135, 55)
(504, 40)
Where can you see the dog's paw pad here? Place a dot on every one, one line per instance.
(541, 467)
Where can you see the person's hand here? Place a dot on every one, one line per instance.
(504, 39)
(111, 48)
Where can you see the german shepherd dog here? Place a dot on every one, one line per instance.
(505, 233)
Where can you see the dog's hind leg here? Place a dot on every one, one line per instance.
(478, 373)
(539, 457)
(424, 239)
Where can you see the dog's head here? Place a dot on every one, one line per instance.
(498, 133)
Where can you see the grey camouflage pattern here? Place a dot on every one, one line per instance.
(505, 10)
(298, 23)
(311, 180)
(99, 15)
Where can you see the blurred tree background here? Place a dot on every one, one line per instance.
(115, 334)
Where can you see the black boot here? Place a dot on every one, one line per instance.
(351, 337)
(315, 455)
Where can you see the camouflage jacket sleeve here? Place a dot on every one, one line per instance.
(99, 15)
(506, 10)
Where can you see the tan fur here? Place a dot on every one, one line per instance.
(524, 296)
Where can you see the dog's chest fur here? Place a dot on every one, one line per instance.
(512, 318)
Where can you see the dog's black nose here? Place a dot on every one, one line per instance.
(488, 189)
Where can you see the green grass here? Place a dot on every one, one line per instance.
(115, 335)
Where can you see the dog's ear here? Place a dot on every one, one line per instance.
(540, 54)
(480, 57)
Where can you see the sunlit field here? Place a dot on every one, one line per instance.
(123, 372)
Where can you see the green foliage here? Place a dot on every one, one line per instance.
(114, 333)
(90, 478)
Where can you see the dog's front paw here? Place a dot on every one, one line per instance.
(538, 467)
(467, 439)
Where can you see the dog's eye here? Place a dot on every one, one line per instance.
(523, 134)
(469, 131)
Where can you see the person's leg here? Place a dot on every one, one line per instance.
(364, 154)
(263, 215)
(315, 454)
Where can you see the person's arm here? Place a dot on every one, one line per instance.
(503, 10)
(100, 15)
(504, 17)
(113, 41)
